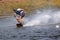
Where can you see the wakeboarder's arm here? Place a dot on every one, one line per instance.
(14, 14)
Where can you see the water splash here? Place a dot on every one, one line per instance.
(47, 16)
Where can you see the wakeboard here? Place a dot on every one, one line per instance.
(19, 25)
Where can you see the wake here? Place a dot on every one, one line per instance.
(46, 16)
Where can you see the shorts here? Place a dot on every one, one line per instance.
(18, 16)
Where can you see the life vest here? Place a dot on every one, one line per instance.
(21, 13)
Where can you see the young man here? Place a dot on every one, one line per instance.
(19, 14)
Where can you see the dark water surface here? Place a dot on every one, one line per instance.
(33, 30)
(9, 31)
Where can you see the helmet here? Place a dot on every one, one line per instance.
(19, 9)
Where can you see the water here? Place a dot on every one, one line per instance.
(41, 25)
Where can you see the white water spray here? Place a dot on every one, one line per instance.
(48, 16)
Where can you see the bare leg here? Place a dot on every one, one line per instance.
(19, 19)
